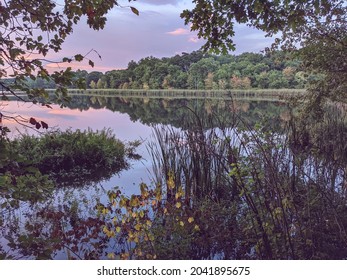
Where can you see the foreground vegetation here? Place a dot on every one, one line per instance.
(34, 166)
(236, 194)
(232, 192)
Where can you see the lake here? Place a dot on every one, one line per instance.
(133, 118)
(209, 172)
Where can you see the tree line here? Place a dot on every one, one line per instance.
(197, 70)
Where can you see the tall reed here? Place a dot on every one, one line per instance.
(291, 202)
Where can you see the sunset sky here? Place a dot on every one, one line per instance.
(158, 31)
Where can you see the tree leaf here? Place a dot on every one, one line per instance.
(135, 11)
(66, 59)
(32, 121)
(78, 57)
(44, 125)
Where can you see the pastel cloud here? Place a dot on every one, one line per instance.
(179, 31)
(75, 66)
(193, 39)
(158, 31)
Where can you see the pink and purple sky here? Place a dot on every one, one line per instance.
(158, 31)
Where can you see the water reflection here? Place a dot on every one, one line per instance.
(182, 112)
(250, 196)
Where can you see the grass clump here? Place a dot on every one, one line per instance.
(70, 155)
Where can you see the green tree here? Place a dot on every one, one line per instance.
(198, 72)
(100, 84)
(314, 30)
(92, 84)
(277, 80)
(262, 80)
(209, 83)
(94, 76)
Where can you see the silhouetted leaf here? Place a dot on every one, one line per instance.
(32, 121)
(78, 57)
(44, 125)
(135, 11)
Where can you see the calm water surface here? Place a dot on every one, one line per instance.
(130, 119)
(133, 118)
(96, 119)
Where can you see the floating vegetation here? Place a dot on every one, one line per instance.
(74, 157)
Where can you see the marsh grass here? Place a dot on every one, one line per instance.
(290, 196)
(77, 156)
(187, 93)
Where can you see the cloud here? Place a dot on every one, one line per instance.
(128, 37)
(193, 39)
(179, 31)
(77, 65)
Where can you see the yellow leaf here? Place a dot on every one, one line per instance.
(111, 256)
(142, 214)
(137, 227)
(181, 223)
(134, 202)
(139, 253)
(180, 192)
(190, 220)
(149, 223)
(144, 188)
(118, 229)
(170, 182)
(124, 256)
(122, 202)
(151, 237)
(135, 11)
(105, 229)
(196, 227)
(178, 205)
(158, 196)
(110, 234)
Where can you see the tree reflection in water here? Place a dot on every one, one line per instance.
(239, 190)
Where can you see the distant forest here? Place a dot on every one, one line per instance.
(198, 70)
